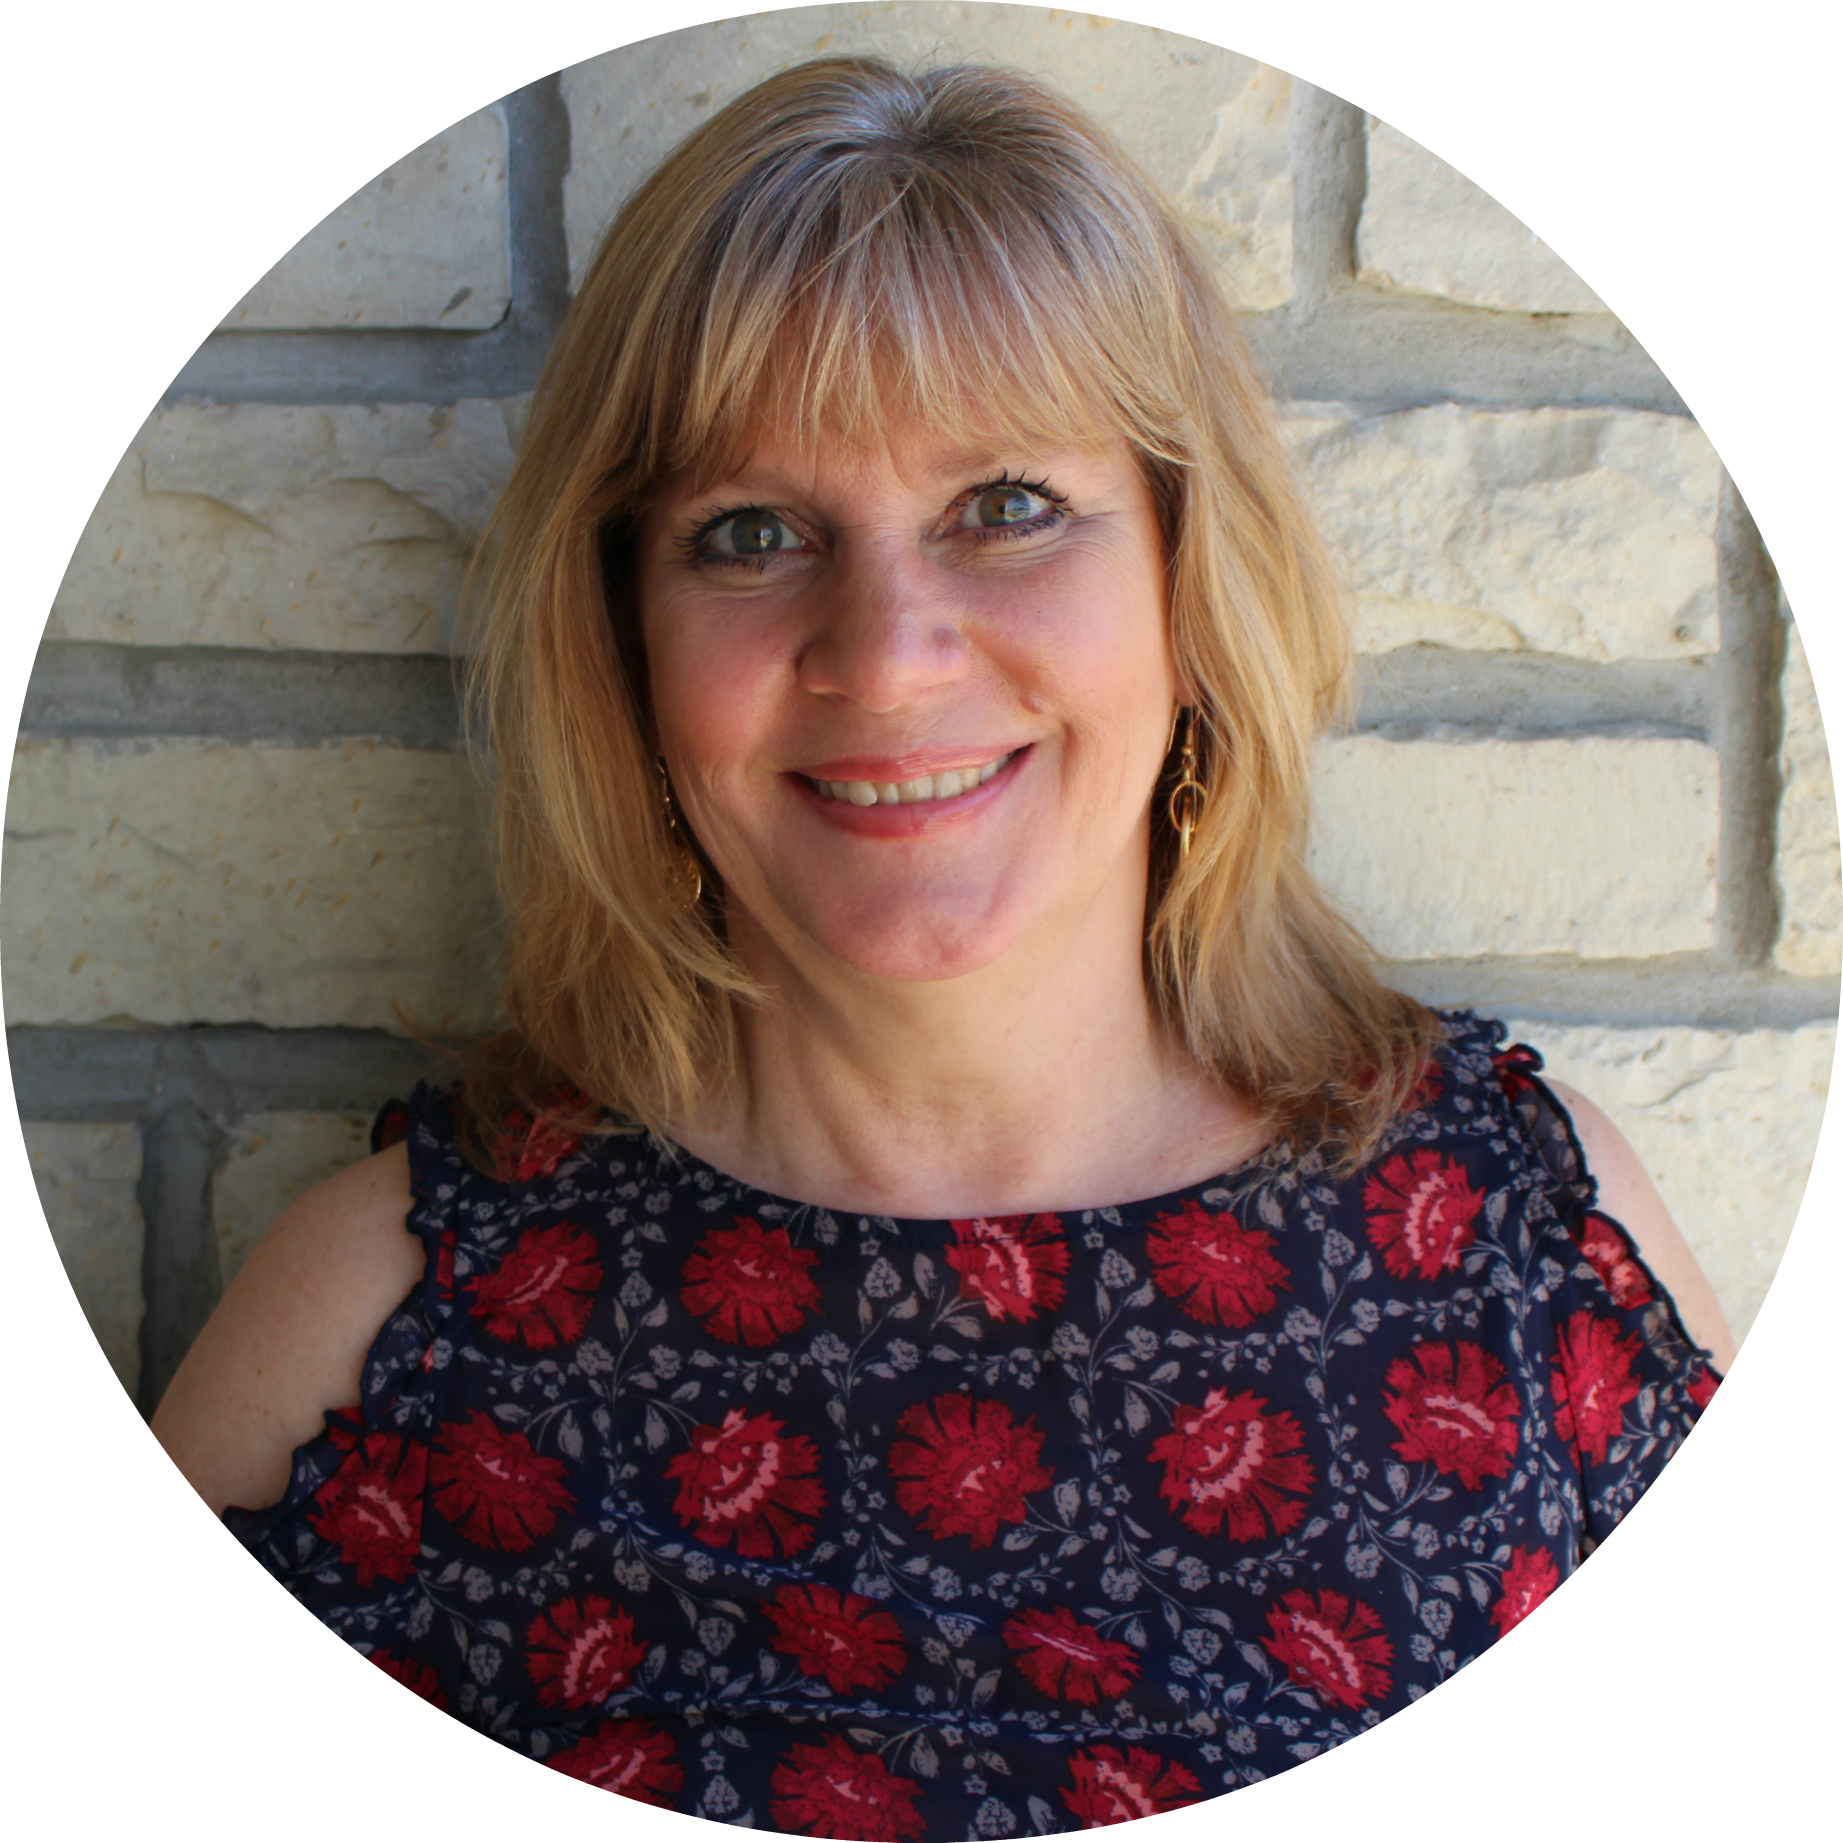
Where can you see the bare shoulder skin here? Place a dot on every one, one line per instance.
(1630, 1198)
(290, 1337)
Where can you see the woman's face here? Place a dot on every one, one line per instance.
(914, 700)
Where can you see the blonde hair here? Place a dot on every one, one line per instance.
(843, 246)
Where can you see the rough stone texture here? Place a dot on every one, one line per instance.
(1584, 533)
(1428, 229)
(1210, 124)
(1725, 1122)
(1809, 864)
(86, 1177)
(340, 527)
(1602, 847)
(202, 883)
(274, 1157)
(424, 244)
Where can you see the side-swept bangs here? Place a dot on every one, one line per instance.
(966, 252)
(843, 250)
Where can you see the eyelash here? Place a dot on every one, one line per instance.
(693, 543)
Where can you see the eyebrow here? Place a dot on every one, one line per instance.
(955, 464)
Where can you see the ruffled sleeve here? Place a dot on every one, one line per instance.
(1626, 1381)
(351, 1515)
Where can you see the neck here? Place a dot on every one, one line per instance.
(1040, 1082)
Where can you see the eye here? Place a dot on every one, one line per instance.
(1009, 502)
(754, 532)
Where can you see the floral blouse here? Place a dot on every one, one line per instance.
(906, 1530)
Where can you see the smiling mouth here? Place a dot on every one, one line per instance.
(947, 785)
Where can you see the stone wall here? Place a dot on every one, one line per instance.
(1587, 791)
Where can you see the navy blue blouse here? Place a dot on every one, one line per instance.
(864, 1528)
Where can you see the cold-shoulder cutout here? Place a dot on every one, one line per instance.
(289, 1340)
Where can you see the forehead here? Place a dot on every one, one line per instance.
(915, 456)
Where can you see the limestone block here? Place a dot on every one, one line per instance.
(185, 882)
(1809, 863)
(1429, 230)
(1588, 533)
(1726, 1123)
(272, 1160)
(424, 244)
(335, 527)
(86, 1177)
(1602, 846)
(1210, 124)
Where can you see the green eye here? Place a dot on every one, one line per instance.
(1005, 505)
(751, 534)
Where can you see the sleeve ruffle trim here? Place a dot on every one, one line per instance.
(394, 1390)
(1603, 1242)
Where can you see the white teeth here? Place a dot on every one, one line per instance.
(943, 786)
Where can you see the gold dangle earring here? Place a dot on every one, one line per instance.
(690, 877)
(1189, 797)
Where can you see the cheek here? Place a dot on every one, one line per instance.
(1096, 650)
(713, 683)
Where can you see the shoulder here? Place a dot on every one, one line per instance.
(288, 1342)
(1627, 1194)
(1586, 1155)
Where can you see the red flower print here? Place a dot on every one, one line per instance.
(371, 1508)
(1514, 1067)
(1013, 1265)
(1530, 1576)
(541, 1294)
(444, 1263)
(832, 1790)
(1217, 1270)
(964, 1467)
(345, 1428)
(1454, 1410)
(1112, 1788)
(748, 1481)
(1334, 1646)
(1607, 1251)
(1062, 1657)
(412, 1673)
(1231, 1462)
(580, 1652)
(1592, 1382)
(391, 1127)
(635, 1758)
(844, 1637)
(528, 1147)
(1702, 1385)
(749, 1284)
(1421, 1208)
(493, 1487)
(1427, 1088)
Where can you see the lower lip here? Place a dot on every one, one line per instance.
(913, 820)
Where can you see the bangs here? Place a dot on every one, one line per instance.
(924, 274)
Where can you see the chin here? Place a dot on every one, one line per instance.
(913, 943)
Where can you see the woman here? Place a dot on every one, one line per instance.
(959, 1304)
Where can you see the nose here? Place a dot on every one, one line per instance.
(886, 632)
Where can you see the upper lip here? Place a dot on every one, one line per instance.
(882, 769)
